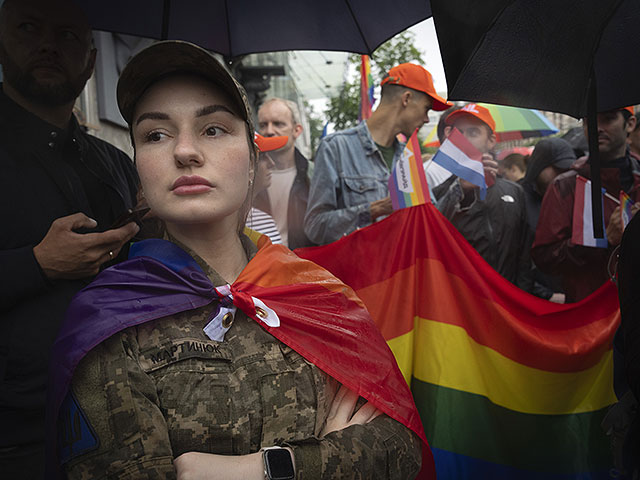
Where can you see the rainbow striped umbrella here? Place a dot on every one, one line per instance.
(512, 123)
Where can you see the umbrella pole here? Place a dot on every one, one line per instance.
(594, 158)
(166, 11)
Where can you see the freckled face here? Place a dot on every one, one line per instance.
(192, 152)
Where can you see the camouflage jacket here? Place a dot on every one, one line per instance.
(155, 391)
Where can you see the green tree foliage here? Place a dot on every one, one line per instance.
(316, 125)
(344, 108)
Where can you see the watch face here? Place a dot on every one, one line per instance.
(278, 463)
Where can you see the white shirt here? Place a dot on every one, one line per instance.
(281, 182)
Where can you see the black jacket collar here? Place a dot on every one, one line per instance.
(33, 131)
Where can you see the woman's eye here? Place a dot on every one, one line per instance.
(213, 131)
(154, 136)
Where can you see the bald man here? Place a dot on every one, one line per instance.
(60, 191)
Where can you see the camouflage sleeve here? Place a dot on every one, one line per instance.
(118, 428)
(381, 449)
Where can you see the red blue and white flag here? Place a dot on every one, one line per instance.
(461, 158)
(582, 233)
(625, 209)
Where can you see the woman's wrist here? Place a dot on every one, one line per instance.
(208, 466)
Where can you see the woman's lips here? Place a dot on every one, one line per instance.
(191, 185)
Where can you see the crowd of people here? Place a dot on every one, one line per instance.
(134, 399)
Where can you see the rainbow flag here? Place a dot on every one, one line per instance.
(408, 182)
(625, 209)
(508, 385)
(366, 88)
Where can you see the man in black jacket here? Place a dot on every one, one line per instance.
(60, 191)
(496, 226)
(286, 198)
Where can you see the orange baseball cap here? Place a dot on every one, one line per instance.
(268, 144)
(475, 110)
(418, 78)
(629, 109)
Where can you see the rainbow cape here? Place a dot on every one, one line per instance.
(366, 88)
(320, 318)
(408, 183)
(508, 385)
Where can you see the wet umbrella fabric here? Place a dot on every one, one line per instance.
(239, 27)
(568, 56)
(539, 53)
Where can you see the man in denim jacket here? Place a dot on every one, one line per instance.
(349, 185)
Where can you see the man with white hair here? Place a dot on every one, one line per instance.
(286, 198)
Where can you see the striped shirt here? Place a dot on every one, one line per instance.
(263, 222)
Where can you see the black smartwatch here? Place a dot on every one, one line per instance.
(278, 464)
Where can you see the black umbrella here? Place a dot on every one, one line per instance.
(571, 56)
(238, 27)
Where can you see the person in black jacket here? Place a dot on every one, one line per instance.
(60, 191)
(624, 421)
(550, 158)
(496, 226)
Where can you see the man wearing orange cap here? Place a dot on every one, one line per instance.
(496, 226)
(584, 269)
(349, 186)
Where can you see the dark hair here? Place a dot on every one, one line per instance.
(389, 92)
(516, 159)
(442, 123)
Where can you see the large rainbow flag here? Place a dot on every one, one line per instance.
(508, 386)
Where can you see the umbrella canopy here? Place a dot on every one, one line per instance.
(540, 54)
(513, 123)
(239, 27)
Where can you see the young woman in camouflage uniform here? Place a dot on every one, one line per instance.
(164, 400)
